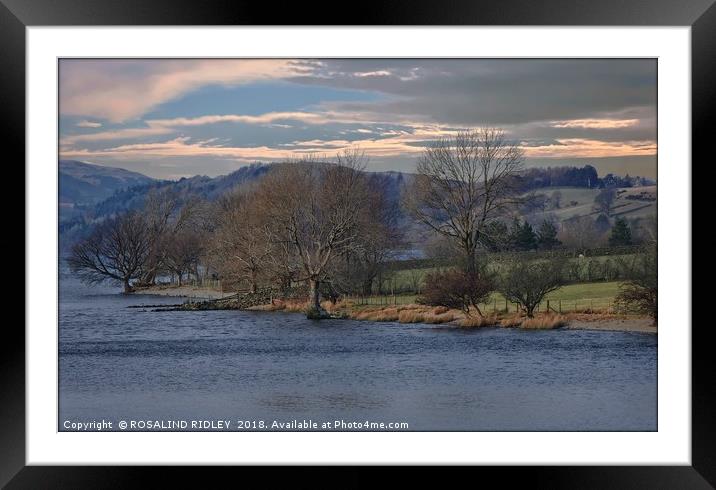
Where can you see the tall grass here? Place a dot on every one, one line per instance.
(544, 322)
(438, 319)
(411, 316)
(479, 321)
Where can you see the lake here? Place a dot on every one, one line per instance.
(118, 363)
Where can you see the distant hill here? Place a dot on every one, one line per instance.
(630, 203)
(84, 215)
(84, 184)
(208, 188)
(80, 215)
(81, 186)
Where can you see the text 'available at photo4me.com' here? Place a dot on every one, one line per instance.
(219, 425)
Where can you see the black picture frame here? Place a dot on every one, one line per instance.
(16, 15)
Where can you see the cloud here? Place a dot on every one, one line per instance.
(88, 124)
(179, 147)
(119, 90)
(494, 91)
(117, 134)
(397, 144)
(565, 148)
(555, 108)
(318, 117)
(268, 118)
(596, 123)
(379, 73)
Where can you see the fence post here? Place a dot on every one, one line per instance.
(560, 306)
(547, 306)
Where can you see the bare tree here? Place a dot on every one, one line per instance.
(640, 292)
(240, 247)
(378, 239)
(159, 206)
(556, 199)
(526, 282)
(316, 207)
(462, 183)
(116, 250)
(283, 265)
(580, 233)
(604, 201)
(459, 289)
(183, 252)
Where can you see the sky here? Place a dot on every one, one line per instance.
(177, 118)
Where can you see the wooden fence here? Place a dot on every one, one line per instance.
(555, 305)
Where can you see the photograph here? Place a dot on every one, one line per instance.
(357, 244)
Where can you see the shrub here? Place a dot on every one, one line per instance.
(640, 292)
(457, 289)
(527, 282)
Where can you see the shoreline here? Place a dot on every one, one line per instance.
(636, 324)
(575, 321)
(193, 292)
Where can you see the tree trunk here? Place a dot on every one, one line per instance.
(127, 286)
(469, 256)
(368, 286)
(315, 296)
(531, 311)
(150, 277)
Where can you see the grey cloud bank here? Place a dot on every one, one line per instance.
(560, 110)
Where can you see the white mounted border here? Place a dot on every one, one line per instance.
(670, 445)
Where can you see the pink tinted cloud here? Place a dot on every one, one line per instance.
(398, 145)
(587, 148)
(88, 124)
(119, 90)
(596, 123)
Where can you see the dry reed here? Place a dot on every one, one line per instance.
(544, 322)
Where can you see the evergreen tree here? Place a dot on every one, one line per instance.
(602, 224)
(547, 236)
(523, 236)
(621, 233)
(513, 235)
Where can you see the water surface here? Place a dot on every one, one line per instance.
(118, 363)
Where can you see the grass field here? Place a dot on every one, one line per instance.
(580, 201)
(572, 297)
(411, 279)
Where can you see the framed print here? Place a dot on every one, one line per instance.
(246, 245)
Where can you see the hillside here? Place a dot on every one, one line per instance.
(632, 202)
(83, 184)
(127, 190)
(76, 225)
